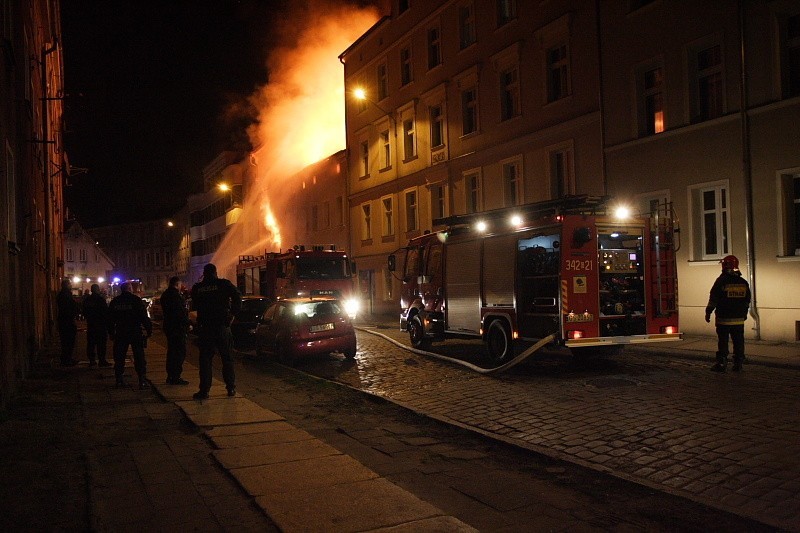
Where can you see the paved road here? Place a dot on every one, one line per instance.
(729, 441)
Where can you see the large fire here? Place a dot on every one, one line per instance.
(300, 121)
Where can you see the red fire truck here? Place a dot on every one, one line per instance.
(299, 272)
(565, 268)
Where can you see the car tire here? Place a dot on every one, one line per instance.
(350, 353)
(416, 332)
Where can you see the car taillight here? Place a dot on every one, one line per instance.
(575, 334)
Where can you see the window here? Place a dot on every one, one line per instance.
(409, 140)
(557, 73)
(708, 83)
(412, 218)
(512, 184)
(366, 222)
(562, 176)
(157, 256)
(438, 201)
(339, 211)
(790, 191)
(472, 185)
(11, 195)
(710, 208)
(506, 11)
(383, 82)
(437, 126)
(406, 70)
(83, 256)
(469, 111)
(314, 217)
(509, 94)
(403, 5)
(466, 25)
(365, 159)
(326, 215)
(434, 48)
(167, 258)
(386, 152)
(388, 294)
(790, 56)
(387, 220)
(651, 101)
(68, 255)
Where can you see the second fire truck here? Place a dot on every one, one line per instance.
(565, 268)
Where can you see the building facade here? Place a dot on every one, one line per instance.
(33, 168)
(85, 263)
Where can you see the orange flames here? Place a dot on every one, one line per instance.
(300, 122)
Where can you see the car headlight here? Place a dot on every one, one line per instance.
(352, 307)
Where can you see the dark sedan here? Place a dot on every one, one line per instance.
(244, 324)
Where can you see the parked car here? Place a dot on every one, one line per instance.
(243, 327)
(155, 310)
(298, 327)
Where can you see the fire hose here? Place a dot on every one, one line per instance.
(505, 366)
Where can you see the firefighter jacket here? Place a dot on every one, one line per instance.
(95, 311)
(176, 317)
(129, 318)
(730, 297)
(216, 300)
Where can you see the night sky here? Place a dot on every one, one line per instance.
(150, 88)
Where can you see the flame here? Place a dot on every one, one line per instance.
(300, 121)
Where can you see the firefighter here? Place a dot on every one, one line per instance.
(129, 326)
(95, 311)
(217, 301)
(730, 301)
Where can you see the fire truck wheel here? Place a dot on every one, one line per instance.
(498, 342)
(417, 333)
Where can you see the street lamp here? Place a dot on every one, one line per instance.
(224, 187)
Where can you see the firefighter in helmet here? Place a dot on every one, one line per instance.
(730, 301)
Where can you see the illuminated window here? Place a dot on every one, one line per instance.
(650, 83)
(406, 67)
(366, 222)
(472, 186)
(712, 220)
(790, 211)
(469, 111)
(409, 140)
(364, 159)
(558, 75)
(434, 48)
(506, 11)
(466, 25)
(509, 94)
(437, 126)
(512, 183)
(438, 201)
(708, 85)
(412, 218)
(387, 220)
(383, 81)
(386, 152)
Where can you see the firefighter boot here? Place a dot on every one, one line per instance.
(737, 364)
(721, 364)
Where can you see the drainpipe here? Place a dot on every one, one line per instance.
(601, 98)
(747, 175)
(47, 189)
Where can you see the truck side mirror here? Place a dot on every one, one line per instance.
(392, 263)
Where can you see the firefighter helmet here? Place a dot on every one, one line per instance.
(730, 262)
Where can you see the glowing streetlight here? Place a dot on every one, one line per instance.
(224, 187)
(481, 226)
(516, 221)
(360, 93)
(622, 212)
(170, 223)
(76, 280)
(101, 279)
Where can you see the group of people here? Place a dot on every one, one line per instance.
(126, 322)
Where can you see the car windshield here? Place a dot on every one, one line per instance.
(321, 268)
(317, 309)
(254, 306)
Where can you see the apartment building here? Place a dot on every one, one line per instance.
(466, 106)
(33, 169)
(683, 121)
(85, 263)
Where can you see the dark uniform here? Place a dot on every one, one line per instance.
(176, 326)
(129, 322)
(730, 301)
(216, 300)
(95, 311)
(68, 312)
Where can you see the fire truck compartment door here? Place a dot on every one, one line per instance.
(462, 276)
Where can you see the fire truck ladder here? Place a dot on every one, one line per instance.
(663, 278)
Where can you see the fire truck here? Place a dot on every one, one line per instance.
(300, 272)
(566, 269)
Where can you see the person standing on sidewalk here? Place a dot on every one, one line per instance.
(95, 312)
(730, 301)
(67, 329)
(217, 301)
(176, 326)
(128, 325)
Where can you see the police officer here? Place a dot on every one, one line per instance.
(730, 301)
(95, 311)
(176, 326)
(67, 329)
(216, 300)
(129, 322)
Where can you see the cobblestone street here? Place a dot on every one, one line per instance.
(728, 441)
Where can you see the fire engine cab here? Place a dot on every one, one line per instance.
(300, 272)
(564, 268)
